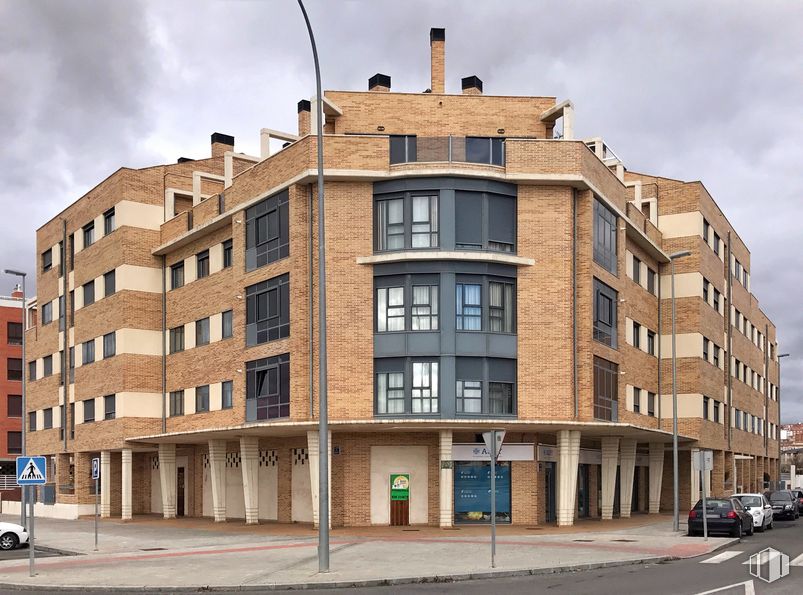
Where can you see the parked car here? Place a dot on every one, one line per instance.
(723, 515)
(797, 493)
(12, 535)
(759, 508)
(784, 505)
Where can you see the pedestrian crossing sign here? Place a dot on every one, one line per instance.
(31, 471)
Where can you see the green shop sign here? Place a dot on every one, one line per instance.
(400, 486)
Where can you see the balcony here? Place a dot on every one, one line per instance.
(482, 150)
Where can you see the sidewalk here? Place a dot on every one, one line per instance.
(194, 553)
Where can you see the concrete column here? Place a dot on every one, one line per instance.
(217, 468)
(167, 475)
(627, 467)
(446, 485)
(127, 483)
(249, 463)
(610, 460)
(105, 484)
(568, 458)
(313, 446)
(656, 475)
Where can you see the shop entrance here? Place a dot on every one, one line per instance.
(180, 476)
(550, 489)
(399, 499)
(472, 492)
(583, 495)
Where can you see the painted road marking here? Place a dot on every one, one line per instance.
(749, 589)
(720, 558)
(797, 561)
(772, 555)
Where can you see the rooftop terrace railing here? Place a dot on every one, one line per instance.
(456, 149)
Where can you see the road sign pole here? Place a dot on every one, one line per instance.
(702, 480)
(96, 513)
(31, 545)
(493, 499)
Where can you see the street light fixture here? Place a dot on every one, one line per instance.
(24, 411)
(323, 405)
(675, 488)
(780, 357)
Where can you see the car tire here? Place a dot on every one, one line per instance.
(762, 527)
(770, 526)
(737, 531)
(751, 530)
(8, 541)
(692, 533)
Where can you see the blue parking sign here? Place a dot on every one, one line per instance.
(31, 471)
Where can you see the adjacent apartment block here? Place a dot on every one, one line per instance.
(10, 391)
(485, 269)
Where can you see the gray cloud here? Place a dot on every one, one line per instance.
(695, 91)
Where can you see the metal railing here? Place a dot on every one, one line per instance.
(455, 149)
(8, 482)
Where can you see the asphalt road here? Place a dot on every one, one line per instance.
(22, 553)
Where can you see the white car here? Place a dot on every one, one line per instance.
(757, 506)
(12, 535)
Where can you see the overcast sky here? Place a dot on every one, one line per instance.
(709, 91)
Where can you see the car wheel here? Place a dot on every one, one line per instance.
(750, 529)
(770, 526)
(737, 530)
(691, 533)
(761, 528)
(8, 541)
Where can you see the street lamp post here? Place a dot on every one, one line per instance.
(780, 357)
(675, 488)
(323, 413)
(24, 369)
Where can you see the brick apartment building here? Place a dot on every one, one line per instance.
(485, 270)
(10, 391)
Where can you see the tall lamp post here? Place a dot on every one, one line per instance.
(24, 366)
(780, 357)
(675, 488)
(323, 406)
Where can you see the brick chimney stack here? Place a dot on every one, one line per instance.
(304, 116)
(437, 46)
(221, 143)
(17, 293)
(379, 83)
(472, 85)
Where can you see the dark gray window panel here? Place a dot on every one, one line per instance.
(89, 293)
(202, 264)
(109, 283)
(451, 266)
(176, 403)
(228, 253)
(47, 365)
(202, 398)
(227, 394)
(407, 302)
(89, 410)
(409, 220)
(177, 275)
(202, 332)
(267, 232)
(442, 183)
(403, 148)
(177, 339)
(109, 406)
(605, 230)
(605, 314)
(227, 321)
(110, 344)
(469, 219)
(47, 422)
(267, 388)
(88, 354)
(485, 221)
(407, 386)
(606, 390)
(268, 310)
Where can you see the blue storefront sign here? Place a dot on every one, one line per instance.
(472, 492)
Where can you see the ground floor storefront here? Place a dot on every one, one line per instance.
(437, 478)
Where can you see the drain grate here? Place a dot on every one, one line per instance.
(152, 549)
(624, 540)
(535, 528)
(411, 529)
(584, 540)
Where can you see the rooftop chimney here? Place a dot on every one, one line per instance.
(437, 46)
(304, 112)
(221, 143)
(379, 83)
(17, 293)
(472, 85)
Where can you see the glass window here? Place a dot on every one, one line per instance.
(469, 306)
(176, 403)
(267, 236)
(425, 221)
(268, 388)
(14, 368)
(650, 342)
(636, 400)
(390, 215)
(47, 313)
(89, 410)
(706, 285)
(89, 293)
(14, 333)
(47, 418)
(177, 339)
(389, 309)
(202, 399)
(500, 397)
(268, 310)
(228, 253)
(636, 335)
(403, 148)
(716, 300)
(605, 317)
(500, 307)
(109, 345)
(71, 240)
(109, 402)
(482, 149)
(72, 364)
(62, 312)
(605, 237)
(108, 221)
(651, 285)
(109, 283)
(202, 332)
(227, 394)
(425, 308)
(32, 421)
(177, 275)
(31, 371)
(390, 392)
(14, 441)
(202, 264)
(706, 402)
(89, 234)
(705, 348)
(47, 260)
(88, 352)
(14, 408)
(228, 324)
(606, 390)
(72, 308)
(425, 387)
(469, 396)
(651, 404)
(706, 230)
(716, 244)
(716, 411)
(636, 270)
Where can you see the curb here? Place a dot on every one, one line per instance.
(343, 584)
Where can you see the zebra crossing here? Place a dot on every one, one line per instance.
(731, 554)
